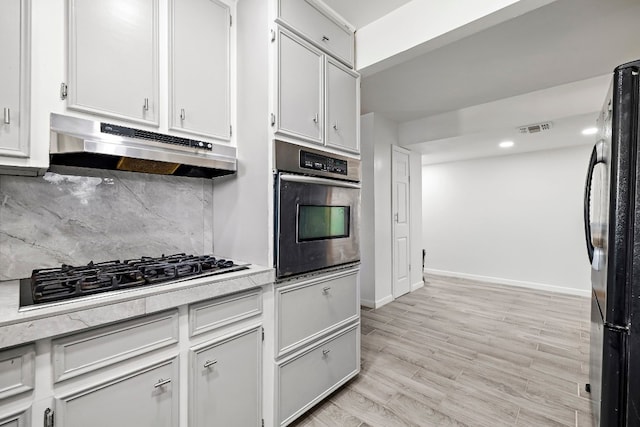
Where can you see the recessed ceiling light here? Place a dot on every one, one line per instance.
(506, 144)
(589, 131)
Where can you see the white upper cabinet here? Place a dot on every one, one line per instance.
(318, 98)
(325, 31)
(299, 89)
(200, 68)
(113, 58)
(14, 79)
(343, 112)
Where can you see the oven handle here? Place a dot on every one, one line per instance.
(321, 181)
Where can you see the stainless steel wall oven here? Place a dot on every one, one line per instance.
(317, 210)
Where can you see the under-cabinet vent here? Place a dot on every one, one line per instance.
(538, 127)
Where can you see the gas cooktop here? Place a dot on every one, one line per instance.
(67, 281)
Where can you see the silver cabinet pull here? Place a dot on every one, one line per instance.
(145, 106)
(7, 116)
(326, 290)
(162, 382)
(395, 217)
(182, 114)
(325, 352)
(209, 363)
(315, 118)
(325, 38)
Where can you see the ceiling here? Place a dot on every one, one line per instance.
(362, 12)
(557, 44)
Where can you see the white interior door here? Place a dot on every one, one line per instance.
(400, 203)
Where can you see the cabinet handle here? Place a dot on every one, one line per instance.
(326, 290)
(162, 382)
(209, 363)
(315, 118)
(335, 126)
(325, 352)
(145, 106)
(7, 116)
(182, 114)
(325, 38)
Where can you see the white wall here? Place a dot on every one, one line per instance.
(377, 135)
(367, 206)
(415, 172)
(243, 204)
(513, 219)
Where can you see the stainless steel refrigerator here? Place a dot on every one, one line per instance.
(612, 229)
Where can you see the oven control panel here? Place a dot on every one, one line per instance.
(322, 163)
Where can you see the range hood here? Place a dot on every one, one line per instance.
(101, 145)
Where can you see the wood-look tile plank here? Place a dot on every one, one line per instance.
(461, 352)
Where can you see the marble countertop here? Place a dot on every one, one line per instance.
(22, 325)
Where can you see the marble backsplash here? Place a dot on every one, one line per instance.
(76, 215)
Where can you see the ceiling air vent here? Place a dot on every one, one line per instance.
(539, 127)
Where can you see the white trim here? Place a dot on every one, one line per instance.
(510, 282)
(417, 285)
(376, 304)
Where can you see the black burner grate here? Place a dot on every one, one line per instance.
(54, 284)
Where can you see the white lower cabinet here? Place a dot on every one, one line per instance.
(306, 378)
(226, 381)
(145, 398)
(15, 419)
(317, 345)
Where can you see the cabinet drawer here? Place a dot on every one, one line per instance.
(330, 35)
(87, 351)
(207, 315)
(145, 398)
(17, 371)
(307, 378)
(308, 309)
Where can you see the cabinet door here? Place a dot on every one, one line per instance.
(226, 382)
(113, 66)
(13, 76)
(147, 398)
(19, 419)
(343, 107)
(299, 88)
(200, 68)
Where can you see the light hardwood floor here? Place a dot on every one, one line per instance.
(458, 352)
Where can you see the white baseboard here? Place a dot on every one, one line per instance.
(383, 301)
(376, 304)
(417, 285)
(367, 303)
(510, 282)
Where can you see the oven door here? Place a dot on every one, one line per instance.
(317, 223)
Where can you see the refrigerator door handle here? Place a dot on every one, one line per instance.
(597, 156)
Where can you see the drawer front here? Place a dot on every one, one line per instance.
(330, 36)
(207, 315)
(17, 370)
(87, 351)
(311, 308)
(305, 379)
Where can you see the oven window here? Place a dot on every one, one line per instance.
(322, 222)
